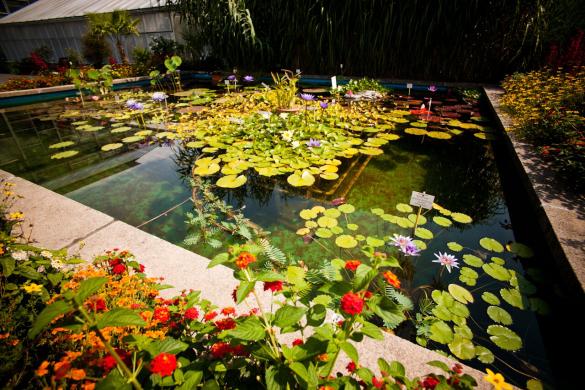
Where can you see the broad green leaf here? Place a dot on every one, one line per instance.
(534, 384)
(191, 380)
(455, 247)
(326, 222)
(231, 181)
(404, 208)
(219, 259)
(374, 242)
(269, 276)
(250, 329)
(462, 348)
(243, 290)
(484, 355)
(491, 244)
(108, 147)
(460, 294)
(442, 221)
(66, 154)
(295, 275)
(167, 345)
(316, 315)
(350, 351)
(497, 272)
(324, 300)
(513, 297)
(345, 241)
(114, 381)
(48, 314)
(346, 208)
(60, 145)
(490, 298)
(441, 332)
(423, 233)
(364, 274)
(463, 331)
(8, 265)
(120, 317)
(504, 338)
(472, 260)
(276, 378)
(500, 315)
(89, 287)
(308, 214)
(520, 250)
(459, 309)
(439, 364)
(461, 218)
(389, 311)
(288, 315)
(371, 331)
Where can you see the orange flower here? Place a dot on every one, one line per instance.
(391, 278)
(244, 259)
(323, 357)
(76, 374)
(352, 265)
(228, 311)
(88, 386)
(43, 369)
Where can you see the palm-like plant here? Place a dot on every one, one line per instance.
(116, 24)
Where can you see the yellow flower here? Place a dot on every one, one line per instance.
(16, 216)
(497, 380)
(32, 288)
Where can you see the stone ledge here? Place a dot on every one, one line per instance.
(561, 213)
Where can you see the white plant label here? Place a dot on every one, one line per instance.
(409, 85)
(334, 82)
(420, 199)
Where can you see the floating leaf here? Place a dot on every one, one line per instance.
(196, 144)
(496, 271)
(332, 213)
(441, 332)
(346, 208)
(231, 181)
(534, 384)
(93, 128)
(389, 137)
(206, 170)
(311, 224)
(131, 139)
(498, 260)
(415, 131)
(121, 129)
(327, 222)
(66, 154)
(442, 221)
(352, 226)
(377, 211)
(520, 250)
(404, 208)
(418, 124)
(504, 338)
(371, 151)
(472, 260)
(462, 348)
(490, 298)
(329, 176)
(485, 136)
(500, 315)
(108, 147)
(421, 219)
(404, 223)
(143, 133)
(308, 214)
(345, 241)
(420, 244)
(484, 355)
(423, 233)
(374, 242)
(463, 331)
(60, 145)
(491, 244)
(513, 297)
(303, 179)
(455, 247)
(460, 294)
(323, 233)
(337, 229)
(439, 135)
(303, 231)
(461, 218)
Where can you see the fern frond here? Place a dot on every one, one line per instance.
(273, 253)
(398, 297)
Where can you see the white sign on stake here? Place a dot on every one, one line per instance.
(334, 82)
(298, 71)
(409, 85)
(420, 199)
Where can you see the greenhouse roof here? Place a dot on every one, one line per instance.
(58, 9)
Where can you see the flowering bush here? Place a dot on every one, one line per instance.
(548, 111)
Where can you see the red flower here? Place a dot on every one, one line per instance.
(209, 316)
(119, 269)
(458, 368)
(225, 324)
(141, 268)
(97, 305)
(430, 382)
(297, 342)
(191, 313)
(352, 265)
(161, 314)
(391, 278)
(352, 304)
(107, 363)
(351, 366)
(378, 383)
(227, 311)
(163, 364)
(368, 294)
(244, 259)
(273, 286)
(220, 349)
(114, 262)
(239, 350)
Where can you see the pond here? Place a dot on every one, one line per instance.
(448, 152)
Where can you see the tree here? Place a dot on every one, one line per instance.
(116, 24)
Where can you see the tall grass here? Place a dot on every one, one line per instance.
(439, 39)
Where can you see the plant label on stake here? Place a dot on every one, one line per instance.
(409, 86)
(334, 82)
(421, 200)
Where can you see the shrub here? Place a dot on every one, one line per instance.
(95, 49)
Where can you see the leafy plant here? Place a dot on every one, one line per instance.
(116, 24)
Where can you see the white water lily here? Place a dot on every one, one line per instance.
(287, 135)
(265, 114)
(295, 144)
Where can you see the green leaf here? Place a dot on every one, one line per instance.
(461, 294)
(521, 250)
(500, 315)
(168, 345)
(439, 364)
(55, 278)
(120, 317)
(534, 384)
(461, 218)
(455, 247)
(504, 338)
(269, 276)
(288, 315)
(350, 351)
(496, 271)
(322, 299)
(192, 380)
(388, 310)
(295, 275)
(441, 332)
(345, 241)
(114, 381)
(513, 297)
(346, 208)
(312, 347)
(8, 265)
(484, 355)
(250, 329)
(316, 315)
(491, 244)
(490, 298)
(371, 331)
(394, 369)
(210, 384)
(219, 259)
(472, 260)
(243, 290)
(374, 242)
(459, 309)
(442, 221)
(462, 348)
(364, 274)
(423, 233)
(463, 331)
(276, 378)
(48, 314)
(404, 208)
(89, 287)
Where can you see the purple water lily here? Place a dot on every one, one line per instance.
(134, 105)
(248, 78)
(405, 245)
(307, 97)
(313, 143)
(323, 105)
(130, 103)
(232, 77)
(159, 96)
(432, 88)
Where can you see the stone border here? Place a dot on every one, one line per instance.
(560, 213)
(60, 222)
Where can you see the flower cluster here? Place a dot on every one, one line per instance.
(405, 244)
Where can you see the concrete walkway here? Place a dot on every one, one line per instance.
(59, 222)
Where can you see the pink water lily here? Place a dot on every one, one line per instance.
(446, 260)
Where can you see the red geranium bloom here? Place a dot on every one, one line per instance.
(239, 350)
(163, 364)
(352, 303)
(351, 366)
(391, 278)
(378, 383)
(244, 259)
(114, 262)
(458, 368)
(227, 311)
(273, 286)
(119, 269)
(97, 305)
(297, 342)
(191, 313)
(161, 314)
(430, 382)
(368, 294)
(209, 316)
(107, 363)
(141, 267)
(220, 349)
(225, 324)
(352, 264)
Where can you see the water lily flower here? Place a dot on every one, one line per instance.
(324, 105)
(432, 88)
(95, 98)
(405, 245)
(295, 144)
(248, 78)
(313, 143)
(159, 96)
(265, 114)
(287, 135)
(130, 103)
(338, 201)
(446, 260)
(232, 77)
(307, 97)
(411, 250)
(134, 105)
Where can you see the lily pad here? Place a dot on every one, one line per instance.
(66, 154)
(442, 221)
(121, 129)
(404, 208)
(206, 170)
(415, 131)
(352, 226)
(496, 271)
(461, 218)
(460, 294)
(491, 244)
(462, 348)
(439, 135)
(332, 213)
(498, 260)
(499, 315)
(231, 181)
(134, 138)
(513, 297)
(323, 233)
(327, 222)
(441, 332)
(311, 224)
(346, 208)
(472, 260)
(336, 229)
(371, 151)
(455, 247)
(108, 147)
(374, 242)
(484, 355)
(504, 338)
(490, 298)
(267, 171)
(345, 241)
(196, 144)
(521, 250)
(303, 231)
(420, 244)
(421, 219)
(304, 179)
(329, 176)
(423, 233)
(377, 211)
(60, 145)
(308, 214)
